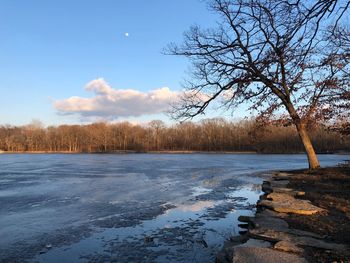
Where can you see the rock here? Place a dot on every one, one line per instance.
(312, 242)
(285, 203)
(290, 191)
(282, 190)
(221, 257)
(148, 239)
(276, 236)
(281, 183)
(226, 253)
(288, 247)
(265, 220)
(264, 255)
(245, 219)
(244, 226)
(300, 193)
(269, 235)
(298, 232)
(269, 222)
(266, 187)
(269, 226)
(281, 176)
(271, 213)
(236, 240)
(255, 243)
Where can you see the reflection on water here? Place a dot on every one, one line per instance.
(199, 190)
(188, 232)
(128, 208)
(196, 207)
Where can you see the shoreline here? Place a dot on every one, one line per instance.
(300, 217)
(130, 152)
(164, 152)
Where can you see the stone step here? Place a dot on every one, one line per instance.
(285, 203)
(276, 236)
(264, 255)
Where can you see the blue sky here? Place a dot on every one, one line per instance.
(50, 51)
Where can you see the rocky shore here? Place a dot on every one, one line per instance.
(301, 217)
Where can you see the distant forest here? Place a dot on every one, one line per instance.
(216, 135)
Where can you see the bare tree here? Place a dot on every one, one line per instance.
(320, 9)
(156, 127)
(207, 135)
(271, 54)
(340, 42)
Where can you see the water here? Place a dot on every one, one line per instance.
(129, 208)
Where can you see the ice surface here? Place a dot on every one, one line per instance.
(128, 208)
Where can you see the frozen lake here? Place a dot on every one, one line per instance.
(129, 207)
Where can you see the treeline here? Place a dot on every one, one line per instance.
(207, 135)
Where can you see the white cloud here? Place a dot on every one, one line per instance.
(113, 103)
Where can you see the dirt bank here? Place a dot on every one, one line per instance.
(328, 188)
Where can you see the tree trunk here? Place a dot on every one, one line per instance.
(311, 155)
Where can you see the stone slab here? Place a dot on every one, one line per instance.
(276, 236)
(264, 255)
(288, 247)
(255, 243)
(285, 203)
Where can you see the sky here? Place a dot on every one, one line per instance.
(65, 62)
